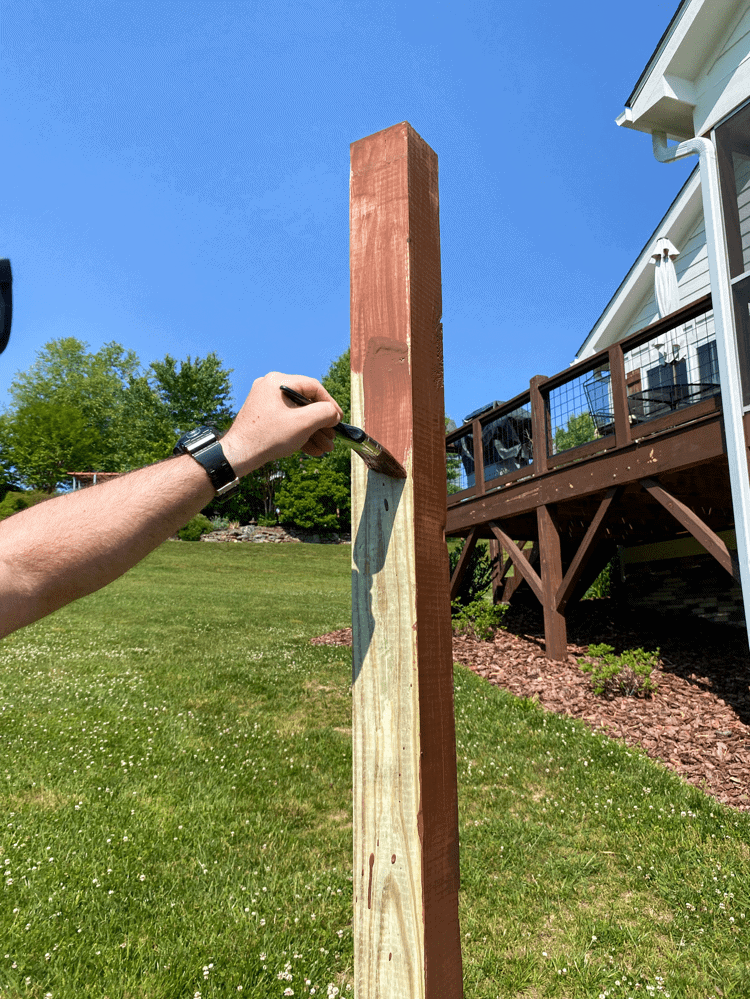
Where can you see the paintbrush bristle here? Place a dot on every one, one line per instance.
(385, 464)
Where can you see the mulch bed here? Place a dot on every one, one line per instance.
(697, 723)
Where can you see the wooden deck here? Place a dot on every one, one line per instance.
(646, 475)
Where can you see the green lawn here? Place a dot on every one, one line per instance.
(175, 767)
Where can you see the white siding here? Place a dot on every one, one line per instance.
(692, 278)
(724, 80)
(741, 165)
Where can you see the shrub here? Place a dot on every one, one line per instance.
(316, 496)
(478, 620)
(602, 586)
(15, 501)
(478, 576)
(628, 674)
(196, 526)
(219, 523)
(267, 522)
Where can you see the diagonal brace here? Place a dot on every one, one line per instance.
(592, 536)
(700, 531)
(463, 562)
(520, 562)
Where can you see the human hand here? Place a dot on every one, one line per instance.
(269, 426)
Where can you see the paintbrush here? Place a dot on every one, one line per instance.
(374, 455)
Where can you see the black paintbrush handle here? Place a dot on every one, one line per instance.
(345, 430)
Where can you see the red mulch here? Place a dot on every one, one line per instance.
(697, 723)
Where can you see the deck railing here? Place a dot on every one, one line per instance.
(661, 376)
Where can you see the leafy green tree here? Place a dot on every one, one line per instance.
(580, 430)
(46, 440)
(76, 410)
(173, 397)
(68, 413)
(315, 496)
(452, 461)
(316, 493)
(148, 433)
(338, 381)
(197, 392)
(256, 496)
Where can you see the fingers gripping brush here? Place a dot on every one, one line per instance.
(374, 455)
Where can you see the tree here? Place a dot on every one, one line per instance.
(74, 410)
(338, 381)
(68, 411)
(580, 430)
(46, 440)
(316, 493)
(452, 461)
(198, 392)
(256, 496)
(316, 496)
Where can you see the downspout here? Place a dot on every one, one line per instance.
(726, 342)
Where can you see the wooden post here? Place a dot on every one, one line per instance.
(406, 933)
(555, 631)
(478, 458)
(619, 396)
(539, 430)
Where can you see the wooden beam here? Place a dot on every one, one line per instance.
(512, 583)
(592, 536)
(700, 531)
(498, 572)
(463, 562)
(520, 562)
(550, 558)
(406, 931)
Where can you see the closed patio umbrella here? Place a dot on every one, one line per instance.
(665, 278)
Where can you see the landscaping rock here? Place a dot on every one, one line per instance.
(275, 534)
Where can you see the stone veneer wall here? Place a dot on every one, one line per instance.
(694, 583)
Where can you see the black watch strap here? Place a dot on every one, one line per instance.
(203, 445)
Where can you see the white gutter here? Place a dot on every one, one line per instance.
(726, 341)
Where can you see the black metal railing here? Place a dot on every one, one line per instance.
(650, 381)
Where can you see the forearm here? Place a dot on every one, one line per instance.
(74, 544)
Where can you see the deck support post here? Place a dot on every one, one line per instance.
(406, 931)
(550, 558)
(498, 570)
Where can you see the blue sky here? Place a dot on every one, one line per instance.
(175, 174)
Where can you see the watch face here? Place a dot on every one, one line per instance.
(199, 435)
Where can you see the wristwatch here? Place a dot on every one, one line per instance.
(203, 445)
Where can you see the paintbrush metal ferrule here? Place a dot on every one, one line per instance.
(374, 455)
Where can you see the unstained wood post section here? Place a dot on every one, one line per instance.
(406, 933)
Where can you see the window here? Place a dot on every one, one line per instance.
(708, 364)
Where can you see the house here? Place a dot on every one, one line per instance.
(697, 83)
(642, 445)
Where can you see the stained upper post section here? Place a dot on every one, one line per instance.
(389, 247)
